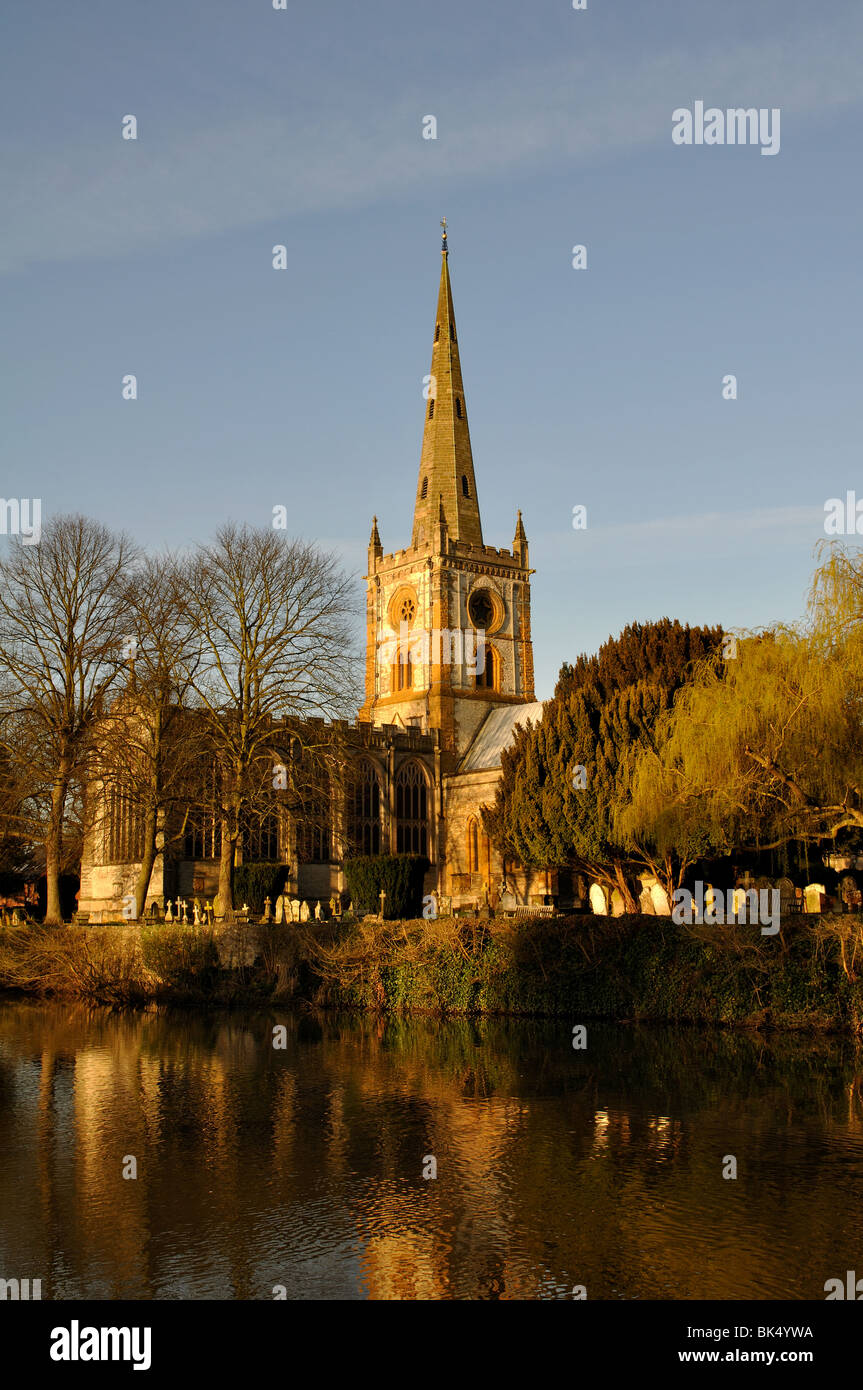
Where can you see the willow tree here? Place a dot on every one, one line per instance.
(565, 780)
(767, 746)
(272, 617)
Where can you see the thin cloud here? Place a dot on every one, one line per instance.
(224, 176)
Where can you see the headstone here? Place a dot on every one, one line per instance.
(814, 896)
(280, 909)
(319, 916)
(645, 900)
(267, 907)
(197, 913)
(295, 910)
(169, 911)
(598, 902)
(661, 904)
(304, 911)
(787, 897)
(508, 900)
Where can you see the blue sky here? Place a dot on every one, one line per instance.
(600, 387)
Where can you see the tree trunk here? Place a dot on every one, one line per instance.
(148, 859)
(54, 844)
(226, 873)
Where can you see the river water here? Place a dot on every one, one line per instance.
(301, 1168)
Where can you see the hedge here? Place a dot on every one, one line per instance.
(400, 876)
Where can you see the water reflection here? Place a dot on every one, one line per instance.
(303, 1167)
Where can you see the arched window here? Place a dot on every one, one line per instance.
(458, 406)
(489, 676)
(411, 810)
(365, 810)
(260, 839)
(425, 488)
(124, 829)
(313, 821)
(431, 408)
(402, 673)
(465, 485)
(472, 846)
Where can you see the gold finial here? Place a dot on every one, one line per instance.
(443, 241)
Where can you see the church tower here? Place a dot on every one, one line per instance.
(448, 618)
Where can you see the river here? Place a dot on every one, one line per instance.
(263, 1171)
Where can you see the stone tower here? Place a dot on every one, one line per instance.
(448, 618)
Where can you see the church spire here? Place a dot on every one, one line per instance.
(446, 465)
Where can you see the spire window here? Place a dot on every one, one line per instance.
(465, 485)
(458, 406)
(436, 332)
(431, 409)
(425, 489)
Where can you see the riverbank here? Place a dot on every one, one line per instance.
(809, 976)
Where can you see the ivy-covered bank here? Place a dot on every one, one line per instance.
(808, 976)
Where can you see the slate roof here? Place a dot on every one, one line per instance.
(495, 733)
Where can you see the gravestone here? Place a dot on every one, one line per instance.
(598, 903)
(814, 897)
(659, 897)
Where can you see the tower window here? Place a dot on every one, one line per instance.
(436, 331)
(489, 678)
(465, 485)
(452, 331)
(402, 677)
(431, 409)
(458, 406)
(425, 488)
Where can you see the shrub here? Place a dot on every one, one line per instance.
(254, 882)
(180, 955)
(399, 875)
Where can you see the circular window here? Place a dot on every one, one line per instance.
(403, 607)
(485, 610)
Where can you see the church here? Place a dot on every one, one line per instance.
(448, 676)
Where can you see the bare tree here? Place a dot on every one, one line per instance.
(273, 622)
(151, 747)
(63, 615)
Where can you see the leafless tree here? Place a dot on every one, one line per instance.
(63, 616)
(151, 749)
(272, 617)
